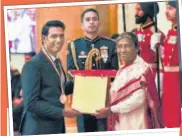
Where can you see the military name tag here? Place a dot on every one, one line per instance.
(172, 40)
(82, 55)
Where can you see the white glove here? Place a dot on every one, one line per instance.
(155, 41)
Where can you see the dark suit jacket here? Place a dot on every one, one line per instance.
(43, 112)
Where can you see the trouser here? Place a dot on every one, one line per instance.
(88, 123)
(171, 106)
(17, 113)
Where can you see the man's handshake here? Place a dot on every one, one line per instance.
(71, 113)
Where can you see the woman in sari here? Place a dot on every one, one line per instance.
(134, 102)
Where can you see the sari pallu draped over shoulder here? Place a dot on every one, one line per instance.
(140, 77)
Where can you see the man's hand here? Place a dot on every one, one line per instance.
(71, 113)
(103, 113)
(17, 101)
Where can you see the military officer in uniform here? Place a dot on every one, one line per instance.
(171, 91)
(144, 14)
(78, 52)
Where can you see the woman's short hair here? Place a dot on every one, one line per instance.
(130, 36)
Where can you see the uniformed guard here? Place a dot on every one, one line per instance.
(91, 52)
(144, 14)
(171, 91)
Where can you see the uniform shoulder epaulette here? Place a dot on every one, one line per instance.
(74, 40)
(107, 38)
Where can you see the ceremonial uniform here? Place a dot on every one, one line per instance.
(78, 52)
(171, 81)
(144, 34)
(84, 45)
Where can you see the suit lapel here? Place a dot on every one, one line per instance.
(51, 63)
(55, 69)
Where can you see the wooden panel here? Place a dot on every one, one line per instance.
(70, 16)
(113, 19)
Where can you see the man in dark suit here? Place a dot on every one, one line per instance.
(44, 86)
(78, 54)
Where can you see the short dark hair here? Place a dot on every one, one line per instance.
(130, 36)
(52, 23)
(89, 10)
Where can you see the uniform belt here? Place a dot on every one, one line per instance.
(171, 68)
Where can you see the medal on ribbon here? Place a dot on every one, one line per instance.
(104, 53)
(62, 97)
